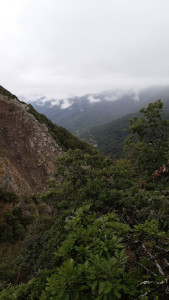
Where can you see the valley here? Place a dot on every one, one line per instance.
(102, 119)
(75, 224)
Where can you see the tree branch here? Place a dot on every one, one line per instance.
(149, 271)
(152, 258)
(157, 285)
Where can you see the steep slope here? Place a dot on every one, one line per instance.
(28, 152)
(29, 146)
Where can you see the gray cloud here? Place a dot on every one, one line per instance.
(72, 47)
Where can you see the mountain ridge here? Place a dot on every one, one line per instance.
(77, 114)
(88, 110)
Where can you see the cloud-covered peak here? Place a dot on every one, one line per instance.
(92, 99)
(66, 103)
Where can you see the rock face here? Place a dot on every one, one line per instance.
(27, 150)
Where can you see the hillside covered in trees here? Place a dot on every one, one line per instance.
(111, 136)
(101, 229)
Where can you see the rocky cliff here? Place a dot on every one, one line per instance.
(27, 150)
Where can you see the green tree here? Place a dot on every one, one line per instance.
(92, 259)
(147, 146)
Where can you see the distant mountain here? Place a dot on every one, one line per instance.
(109, 138)
(78, 113)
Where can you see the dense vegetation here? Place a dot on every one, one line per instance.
(109, 137)
(107, 234)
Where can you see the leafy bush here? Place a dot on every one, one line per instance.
(92, 259)
(147, 146)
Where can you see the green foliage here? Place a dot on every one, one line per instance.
(92, 259)
(7, 196)
(106, 237)
(109, 137)
(13, 225)
(87, 179)
(80, 179)
(5, 233)
(147, 147)
(29, 291)
(7, 275)
(150, 229)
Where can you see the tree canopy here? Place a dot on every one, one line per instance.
(147, 146)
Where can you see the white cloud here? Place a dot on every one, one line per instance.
(65, 104)
(54, 102)
(93, 100)
(135, 95)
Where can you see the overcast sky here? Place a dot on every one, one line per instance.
(64, 48)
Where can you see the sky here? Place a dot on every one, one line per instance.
(64, 48)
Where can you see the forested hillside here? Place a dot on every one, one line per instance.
(109, 138)
(102, 231)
